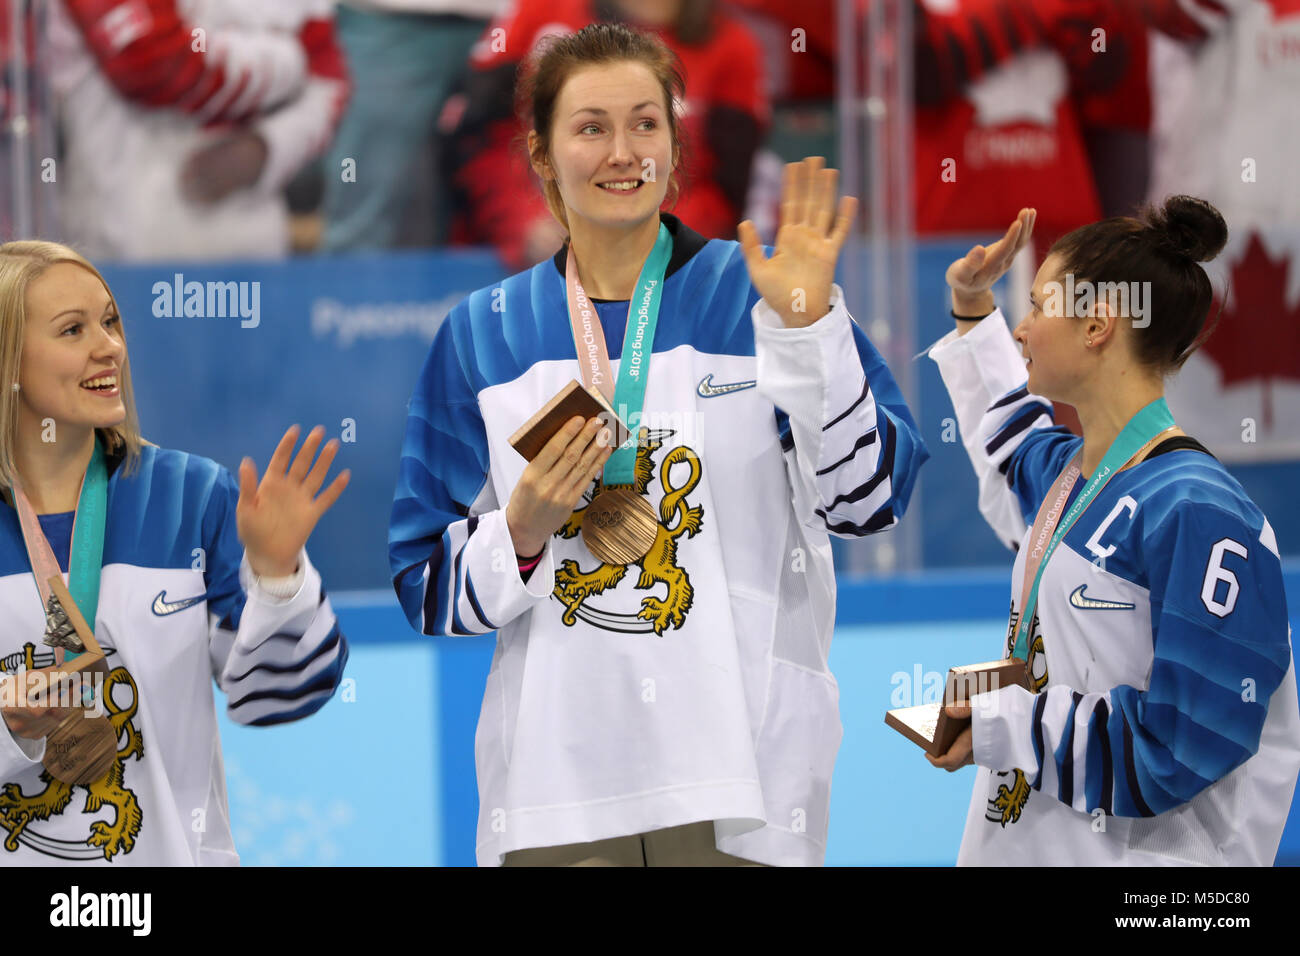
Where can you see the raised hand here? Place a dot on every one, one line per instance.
(972, 276)
(276, 517)
(796, 281)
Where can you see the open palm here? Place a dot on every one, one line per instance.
(975, 273)
(276, 517)
(796, 280)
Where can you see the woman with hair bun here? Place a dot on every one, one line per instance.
(1161, 725)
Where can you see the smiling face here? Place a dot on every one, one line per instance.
(611, 128)
(72, 341)
(1051, 340)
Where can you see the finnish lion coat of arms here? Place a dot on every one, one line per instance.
(574, 586)
(22, 813)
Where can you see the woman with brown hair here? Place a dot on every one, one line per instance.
(1160, 726)
(668, 702)
(722, 122)
(181, 573)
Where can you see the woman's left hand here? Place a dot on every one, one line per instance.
(962, 751)
(276, 517)
(796, 281)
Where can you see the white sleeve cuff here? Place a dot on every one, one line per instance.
(493, 572)
(274, 591)
(986, 356)
(810, 373)
(766, 317)
(1000, 721)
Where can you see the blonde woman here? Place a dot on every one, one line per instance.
(186, 574)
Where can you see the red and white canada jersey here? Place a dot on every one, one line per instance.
(141, 85)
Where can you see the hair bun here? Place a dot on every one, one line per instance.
(1190, 227)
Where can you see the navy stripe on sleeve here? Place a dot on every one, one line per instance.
(866, 390)
(863, 441)
(1101, 715)
(1065, 783)
(325, 680)
(1130, 770)
(1039, 705)
(1011, 397)
(432, 612)
(1017, 425)
(327, 646)
(884, 471)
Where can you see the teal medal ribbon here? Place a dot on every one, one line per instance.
(638, 341)
(86, 554)
(82, 748)
(86, 558)
(619, 524)
(1141, 430)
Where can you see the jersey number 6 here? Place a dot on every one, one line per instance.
(1216, 572)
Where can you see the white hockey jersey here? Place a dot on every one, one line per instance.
(269, 66)
(1163, 726)
(693, 686)
(177, 607)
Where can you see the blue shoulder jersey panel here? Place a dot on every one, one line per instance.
(1181, 527)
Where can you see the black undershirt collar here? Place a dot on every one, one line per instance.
(686, 243)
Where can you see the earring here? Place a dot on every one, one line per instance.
(1089, 343)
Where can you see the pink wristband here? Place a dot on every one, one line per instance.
(529, 565)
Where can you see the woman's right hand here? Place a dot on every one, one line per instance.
(30, 717)
(972, 276)
(552, 484)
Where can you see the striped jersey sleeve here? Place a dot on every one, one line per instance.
(1013, 442)
(304, 127)
(852, 448)
(276, 660)
(1221, 649)
(449, 546)
(154, 57)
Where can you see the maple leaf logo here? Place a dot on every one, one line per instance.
(1258, 337)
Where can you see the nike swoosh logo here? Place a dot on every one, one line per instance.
(162, 607)
(1093, 604)
(708, 390)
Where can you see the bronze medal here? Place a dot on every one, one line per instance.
(81, 750)
(619, 526)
